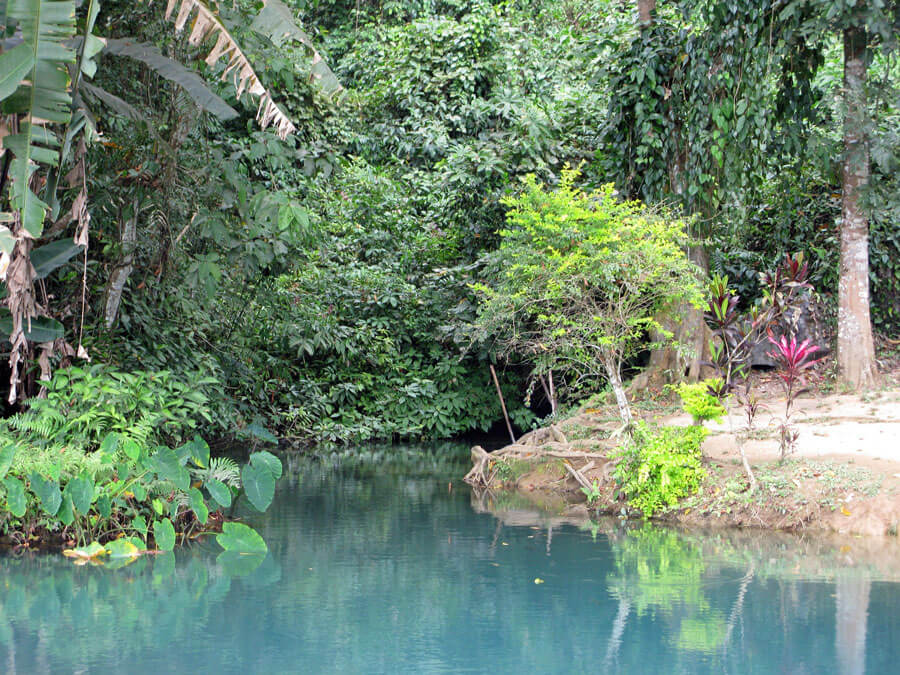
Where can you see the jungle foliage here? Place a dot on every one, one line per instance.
(314, 274)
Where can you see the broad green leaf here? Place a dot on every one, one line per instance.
(110, 443)
(131, 448)
(104, 506)
(7, 240)
(139, 491)
(14, 65)
(81, 491)
(42, 329)
(256, 430)
(51, 256)
(15, 496)
(158, 506)
(240, 538)
(164, 534)
(6, 458)
(47, 492)
(200, 452)
(167, 466)
(139, 524)
(259, 485)
(66, 512)
(268, 461)
(198, 505)
(219, 491)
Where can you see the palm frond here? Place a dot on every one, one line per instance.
(277, 22)
(206, 24)
(175, 72)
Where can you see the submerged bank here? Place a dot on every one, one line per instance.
(844, 475)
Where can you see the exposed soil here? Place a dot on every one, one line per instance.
(843, 474)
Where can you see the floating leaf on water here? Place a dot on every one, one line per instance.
(240, 538)
(84, 554)
(122, 548)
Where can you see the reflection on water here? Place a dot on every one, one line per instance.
(380, 565)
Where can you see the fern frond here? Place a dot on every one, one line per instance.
(46, 424)
(223, 469)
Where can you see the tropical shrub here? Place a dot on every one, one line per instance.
(580, 279)
(792, 360)
(660, 466)
(699, 402)
(124, 488)
(109, 454)
(83, 405)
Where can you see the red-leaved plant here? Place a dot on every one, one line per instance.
(792, 360)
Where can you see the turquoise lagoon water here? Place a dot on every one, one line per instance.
(389, 564)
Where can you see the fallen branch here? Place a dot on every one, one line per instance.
(576, 474)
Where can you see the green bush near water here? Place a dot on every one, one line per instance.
(108, 455)
(659, 467)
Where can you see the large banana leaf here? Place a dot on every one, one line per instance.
(277, 22)
(205, 24)
(42, 98)
(187, 79)
(42, 329)
(51, 256)
(14, 65)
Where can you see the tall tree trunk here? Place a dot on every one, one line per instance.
(646, 9)
(669, 365)
(123, 268)
(852, 607)
(614, 374)
(855, 346)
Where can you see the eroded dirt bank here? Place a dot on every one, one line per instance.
(843, 477)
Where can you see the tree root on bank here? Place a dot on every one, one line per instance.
(530, 448)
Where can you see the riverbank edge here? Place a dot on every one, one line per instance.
(553, 469)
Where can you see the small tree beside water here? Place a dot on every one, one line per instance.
(580, 279)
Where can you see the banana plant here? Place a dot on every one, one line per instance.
(44, 68)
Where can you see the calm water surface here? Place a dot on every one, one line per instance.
(378, 567)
